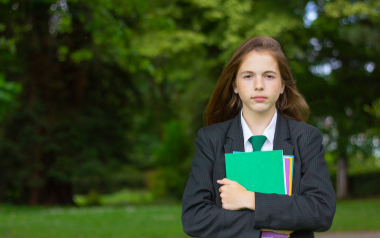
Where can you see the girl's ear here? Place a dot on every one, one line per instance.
(282, 87)
(234, 87)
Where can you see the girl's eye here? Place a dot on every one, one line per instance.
(247, 76)
(270, 76)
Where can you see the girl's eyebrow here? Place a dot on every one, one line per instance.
(250, 72)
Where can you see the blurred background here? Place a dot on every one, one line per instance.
(101, 100)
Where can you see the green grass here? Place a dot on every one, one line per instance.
(143, 221)
(94, 222)
(357, 215)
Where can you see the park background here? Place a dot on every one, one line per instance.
(101, 100)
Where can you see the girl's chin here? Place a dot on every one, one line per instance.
(261, 109)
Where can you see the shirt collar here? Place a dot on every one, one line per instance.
(268, 132)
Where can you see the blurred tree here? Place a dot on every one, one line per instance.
(172, 159)
(186, 44)
(106, 84)
(315, 36)
(341, 54)
(70, 128)
(101, 75)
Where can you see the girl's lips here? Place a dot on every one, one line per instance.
(259, 98)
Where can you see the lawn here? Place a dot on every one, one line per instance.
(357, 215)
(143, 221)
(107, 222)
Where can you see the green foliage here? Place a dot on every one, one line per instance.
(172, 160)
(81, 55)
(63, 51)
(69, 132)
(375, 109)
(344, 8)
(8, 44)
(123, 197)
(345, 39)
(8, 96)
(102, 81)
(128, 197)
(168, 182)
(2, 27)
(365, 185)
(92, 199)
(362, 185)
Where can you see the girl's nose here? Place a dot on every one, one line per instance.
(259, 84)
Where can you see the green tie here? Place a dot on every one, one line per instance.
(257, 142)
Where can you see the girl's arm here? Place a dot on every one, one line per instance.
(201, 217)
(313, 208)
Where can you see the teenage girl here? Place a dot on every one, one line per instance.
(256, 95)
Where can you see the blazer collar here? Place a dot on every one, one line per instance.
(281, 136)
(235, 141)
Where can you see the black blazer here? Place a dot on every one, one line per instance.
(310, 208)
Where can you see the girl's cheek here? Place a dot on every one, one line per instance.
(274, 85)
(247, 82)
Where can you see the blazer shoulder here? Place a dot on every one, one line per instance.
(299, 128)
(216, 131)
(213, 136)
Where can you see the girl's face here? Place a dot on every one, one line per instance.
(258, 82)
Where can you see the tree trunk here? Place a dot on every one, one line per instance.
(53, 193)
(341, 180)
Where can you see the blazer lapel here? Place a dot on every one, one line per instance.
(282, 136)
(235, 138)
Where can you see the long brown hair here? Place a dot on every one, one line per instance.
(224, 104)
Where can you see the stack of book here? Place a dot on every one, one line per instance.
(263, 172)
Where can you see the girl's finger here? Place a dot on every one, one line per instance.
(223, 181)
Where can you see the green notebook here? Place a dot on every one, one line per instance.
(261, 171)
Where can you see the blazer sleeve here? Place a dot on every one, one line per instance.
(313, 208)
(201, 217)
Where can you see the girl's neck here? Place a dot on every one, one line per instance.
(257, 122)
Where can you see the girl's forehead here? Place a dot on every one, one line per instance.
(257, 61)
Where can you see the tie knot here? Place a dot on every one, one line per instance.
(257, 142)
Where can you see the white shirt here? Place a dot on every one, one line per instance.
(268, 132)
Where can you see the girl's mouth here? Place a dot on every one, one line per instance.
(259, 98)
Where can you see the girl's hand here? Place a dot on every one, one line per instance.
(234, 196)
